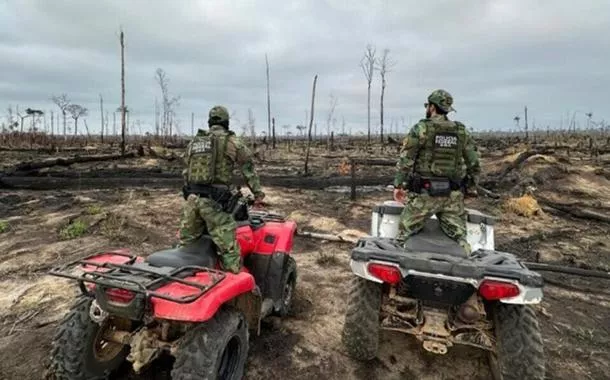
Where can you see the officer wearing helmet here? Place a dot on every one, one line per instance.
(210, 159)
(438, 163)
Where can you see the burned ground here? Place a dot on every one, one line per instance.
(574, 315)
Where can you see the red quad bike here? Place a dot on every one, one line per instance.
(176, 301)
(427, 287)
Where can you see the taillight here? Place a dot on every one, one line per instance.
(495, 290)
(120, 295)
(385, 273)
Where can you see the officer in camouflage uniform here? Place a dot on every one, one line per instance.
(210, 159)
(438, 163)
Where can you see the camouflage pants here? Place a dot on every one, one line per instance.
(449, 210)
(199, 214)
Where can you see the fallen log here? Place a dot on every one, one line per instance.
(176, 181)
(573, 210)
(67, 161)
(520, 160)
(567, 270)
(489, 193)
(329, 237)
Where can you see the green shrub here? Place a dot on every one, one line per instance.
(73, 230)
(4, 226)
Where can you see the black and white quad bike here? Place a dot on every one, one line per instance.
(429, 288)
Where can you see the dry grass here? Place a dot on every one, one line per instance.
(525, 206)
(326, 259)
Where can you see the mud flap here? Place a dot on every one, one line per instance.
(268, 271)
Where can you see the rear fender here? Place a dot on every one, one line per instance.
(275, 237)
(268, 271)
(203, 308)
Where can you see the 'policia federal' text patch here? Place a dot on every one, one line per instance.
(446, 140)
(202, 146)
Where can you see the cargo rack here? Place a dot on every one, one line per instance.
(143, 279)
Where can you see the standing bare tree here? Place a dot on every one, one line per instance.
(368, 66)
(384, 66)
(123, 108)
(313, 96)
(76, 111)
(331, 111)
(62, 101)
(251, 121)
(268, 99)
(168, 102)
(273, 131)
(102, 117)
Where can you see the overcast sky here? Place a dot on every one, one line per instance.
(493, 56)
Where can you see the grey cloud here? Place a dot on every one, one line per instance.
(494, 57)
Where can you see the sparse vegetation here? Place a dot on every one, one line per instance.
(4, 226)
(94, 209)
(73, 230)
(113, 227)
(326, 259)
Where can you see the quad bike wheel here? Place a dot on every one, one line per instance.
(79, 350)
(361, 328)
(520, 354)
(289, 278)
(216, 349)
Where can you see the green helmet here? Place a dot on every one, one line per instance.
(441, 99)
(219, 114)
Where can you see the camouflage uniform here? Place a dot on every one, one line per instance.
(210, 160)
(437, 147)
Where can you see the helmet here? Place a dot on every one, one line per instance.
(219, 114)
(441, 99)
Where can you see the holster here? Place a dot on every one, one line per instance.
(220, 194)
(434, 186)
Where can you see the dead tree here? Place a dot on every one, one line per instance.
(384, 66)
(313, 96)
(123, 108)
(526, 131)
(368, 66)
(273, 131)
(62, 101)
(331, 111)
(168, 102)
(251, 121)
(268, 100)
(102, 117)
(76, 111)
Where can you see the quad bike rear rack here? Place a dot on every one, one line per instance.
(116, 276)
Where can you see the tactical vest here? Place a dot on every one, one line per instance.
(441, 155)
(207, 162)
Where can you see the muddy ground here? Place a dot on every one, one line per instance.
(574, 315)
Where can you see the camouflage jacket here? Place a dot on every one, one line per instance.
(416, 155)
(232, 153)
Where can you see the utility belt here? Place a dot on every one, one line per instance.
(220, 194)
(434, 186)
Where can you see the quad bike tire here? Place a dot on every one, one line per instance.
(360, 334)
(216, 349)
(520, 352)
(289, 279)
(73, 353)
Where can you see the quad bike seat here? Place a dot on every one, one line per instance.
(201, 253)
(432, 239)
